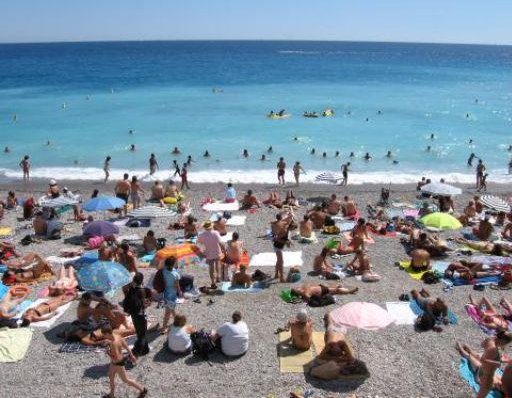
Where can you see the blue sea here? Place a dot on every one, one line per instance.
(84, 98)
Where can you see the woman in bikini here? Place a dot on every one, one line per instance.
(490, 316)
(46, 310)
(468, 271)
(16, 273)
(485, 365)
(495, 249)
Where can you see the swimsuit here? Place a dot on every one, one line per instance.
(122, 362)
(123, 196)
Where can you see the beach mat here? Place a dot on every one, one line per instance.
(401, 312)
(292, 360)
(268, 259)
(227, 287)
(438, 266)
(221, 206)
(50, 322)
(14, 344)
(467, 374)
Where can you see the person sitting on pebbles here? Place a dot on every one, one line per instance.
(360, 265)
(241, 278)
(301, 330)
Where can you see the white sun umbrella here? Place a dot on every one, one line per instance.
(329, 176)
(495, 203)
(61, 201)
(440, 188)
(151, 212)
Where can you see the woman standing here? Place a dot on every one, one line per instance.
(135, 188)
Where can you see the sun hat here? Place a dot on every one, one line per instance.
(208, 225)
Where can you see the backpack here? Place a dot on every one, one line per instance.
(160, 243)
(159, 281)
(133, 303)
(202, 345)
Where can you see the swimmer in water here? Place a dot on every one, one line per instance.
(349, 113)
(206, 154)
(429, 148)
(296, 138)
(509, 148)
(367, 119)
(132, 147)
(48, 143)
(270, 149)
(176, 151)
(337, 154)
(379, 112)
(470, 141)
(324, 155)
(245, 153)
(351, 155)
(367, 157)
(15, 118)
(395, 161)
(389, 154)
(263, 157)
(7, 149)
(130, 132)
(313, 151)
(467, 115)
(189, 160)
(476, 100)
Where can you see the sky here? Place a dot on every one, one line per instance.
(443, 21)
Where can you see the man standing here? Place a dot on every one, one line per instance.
(184, 177)
(134, 304)
(153, 164)
(213, 249)
(344, 171)
(297, 169)
(171, 291)
(480, 169)
(25, 166)
(122, 191)
(106, 167)
(281, 167)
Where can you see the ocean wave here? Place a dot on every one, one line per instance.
(298, 52)
(252, 176)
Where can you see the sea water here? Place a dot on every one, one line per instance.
(84, 98)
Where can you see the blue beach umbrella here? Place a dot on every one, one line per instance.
(104, 276)
(103, 203)
(100, 228)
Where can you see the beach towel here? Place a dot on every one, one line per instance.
(236, 221)
(268, 259)
(346, 226)
(22, 307)
(14, 344)
(50, 322)
(473, 313)
(79, 348)
(401, 312)
(129, 238)
(437, 266)
(292, 360)
(467, 374)
(288, 297)
(412, 213)
(452, 318)
(60, 261)
(227, 287)
(181, 239)
(487, 280)
(221, 206)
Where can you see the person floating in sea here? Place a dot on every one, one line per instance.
(367, 119)
(432, 136)
(189, 160)
(7, 149)
(367, 156)
(153, 164)
(296, 139)
(132, 148)
(337, 154)
(281, 167)
(467, 115)
(324, 155)
(270, 149)
(176, 167)
(130, 132)
(48, 143)
(352, 155)
(176, 151)
(344, 172)
(429, 148)
(263, 157)
(389, 154)
(106, 167)
(470, 159)
(245, 153)
(206, 154)
(25, 166)
(509, 148)
(297, 169)
(14, 118)
(395, 161)
(470, 141)
(312, 151)
(379, 112)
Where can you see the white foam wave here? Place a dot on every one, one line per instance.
(253, 176)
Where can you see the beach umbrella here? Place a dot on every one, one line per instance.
(61, 201)
(361, 315)
(185, 254)
(495, 203)
(440, 188)
(103, 203)
(103, 276)
(329, 176)
(441, 221)
(152, 212)
(100, 228)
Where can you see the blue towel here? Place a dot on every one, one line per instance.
(452, 318)
(467, 374)
(147, 258)
(3, 290)
(478, 281)
(23, 306)
(228, 288)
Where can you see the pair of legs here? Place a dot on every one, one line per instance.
(279, 274)
(487, 382)
(170, 310)
(214, 269)
(119, 370)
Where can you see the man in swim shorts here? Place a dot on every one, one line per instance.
(281, 167)
(122, 190)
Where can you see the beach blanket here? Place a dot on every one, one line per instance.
(50, 322)
(473, 313)
(14, 344)
(236, 221)
(401, 312)
(452, 318)
(292, 360)
(467, 374)
(22, 307)
(487, 280)
(438, 266)
(346, 226)
(60, 261)
(221, 206)
(268, 259)
(227, 287)
(79, 348)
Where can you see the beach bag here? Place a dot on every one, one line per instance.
(159, 281)
(321, 301)
(160, 243)
(95, 241)
(288, 297)
(202, 345)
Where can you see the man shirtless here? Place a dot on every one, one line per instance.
(301, 329)
(306, 291)
(420, 260)
(317, 217)
(363, 267)
(241, 278)
(157, 193)
(484, 230)
(116, 346)
(122, 191)
(281, 167)
(333, 206)
(219, 225)
(126, 258)
(348, 207)
(250, 201)
(306, 227)
(280, 226)
(234, 249)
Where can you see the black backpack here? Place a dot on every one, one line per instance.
(202, 345)
(160, 243)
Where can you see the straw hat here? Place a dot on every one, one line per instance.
(208, 225)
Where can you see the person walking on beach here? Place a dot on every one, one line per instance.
(281, 167)
(480, 170)
(171, 291)
(135, 188)
(184, 177)
(176, 167)
(106, 167)
(297, 169)
(134, 304)
(25, 166)
(344, 172)
(115, 348)
(153, 164)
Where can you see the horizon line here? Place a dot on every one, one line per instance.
(252, 40)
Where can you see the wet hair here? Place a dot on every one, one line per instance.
(235, 236)
(138, 278)
(236, 317)
(125, 176)
(170, 262)
(180, 320)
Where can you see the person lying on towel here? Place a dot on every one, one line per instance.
(490, 315)
(435, 311)
(25, 270)
(468, 270)
(306, 291)
(47, 310)
(8, 307)
(494, 249)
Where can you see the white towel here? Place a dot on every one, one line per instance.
(291, 259)
(60, 261)
(401, 312)
(221, 206)
(48, 323)
(236, 221)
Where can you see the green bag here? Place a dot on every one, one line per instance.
(288, 296)
(332, 244)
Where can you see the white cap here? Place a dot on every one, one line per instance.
(53, 182)
(302, 315)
